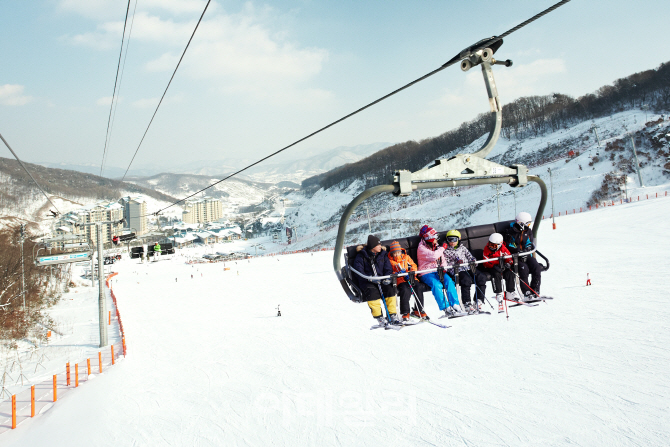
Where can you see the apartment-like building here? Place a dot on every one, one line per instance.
(101, 212)
(135, 214)
(203, 210)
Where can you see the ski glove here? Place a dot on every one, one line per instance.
(411, 278)
(445, 246)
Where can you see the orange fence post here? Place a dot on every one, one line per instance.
(647, 196)
(76, 375)
(88, 365)
(100, 360)
(13, 411)
(32, 401)
(109, 318)
(112, 354)
(554, 226)
(55, 388)
(67, 373)
(123, 341)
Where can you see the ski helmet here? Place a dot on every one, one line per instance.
(454, 233)
(523, 218)
(496, 238)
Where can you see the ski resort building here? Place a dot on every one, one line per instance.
(100, 212)
(135, 211)
(201, 211)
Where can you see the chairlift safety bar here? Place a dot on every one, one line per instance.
(417, 272)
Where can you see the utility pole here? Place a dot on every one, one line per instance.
(553, 214)
(102, 302)
(23, 273)
(498, 187)
(595, 130)
(637, 165)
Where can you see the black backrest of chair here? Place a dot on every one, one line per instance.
(502, 226)
(474, 238)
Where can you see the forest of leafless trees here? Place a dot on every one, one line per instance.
(526, 117)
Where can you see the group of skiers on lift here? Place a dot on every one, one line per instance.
(372, 260)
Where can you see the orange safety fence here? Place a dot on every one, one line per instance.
(40, 397)
(609, 203)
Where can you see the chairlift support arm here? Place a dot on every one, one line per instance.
(461, 169)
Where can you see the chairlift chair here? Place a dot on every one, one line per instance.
(74, 248)
(459, 170)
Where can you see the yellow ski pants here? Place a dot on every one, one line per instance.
(376, 306)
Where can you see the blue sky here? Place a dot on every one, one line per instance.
(261, 75)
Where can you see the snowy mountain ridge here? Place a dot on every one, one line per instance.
(575, 180)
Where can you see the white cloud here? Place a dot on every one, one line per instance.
(12, 95)
(239, 54)
(107, 100)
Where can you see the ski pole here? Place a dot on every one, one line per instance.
(379, 286)
(474, 281)
(529, 288)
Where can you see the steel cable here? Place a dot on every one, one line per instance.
(26, 169)
(166, 89)
(111, 106)
(123, 68)
(446, 65)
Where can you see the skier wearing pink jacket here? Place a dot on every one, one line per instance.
(430, 257)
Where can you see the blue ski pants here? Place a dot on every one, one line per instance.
(433, 281)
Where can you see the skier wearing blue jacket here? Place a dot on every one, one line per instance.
(519, 238)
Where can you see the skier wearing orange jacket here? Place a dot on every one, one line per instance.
(402, 263)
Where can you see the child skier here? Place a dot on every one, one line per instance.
(402, 263)
(494, 250)
(458, 253)
(519, 237)
(370, 261)
(430, 256)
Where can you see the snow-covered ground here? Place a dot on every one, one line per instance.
(210, 363)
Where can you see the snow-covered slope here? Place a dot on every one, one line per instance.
(210, 363)
(574, 179)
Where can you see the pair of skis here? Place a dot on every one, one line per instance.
(530, 302)
(397, 327)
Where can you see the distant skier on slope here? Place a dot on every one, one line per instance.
(430, 257)
(368, 256)
(457, 252)
(402, 263)
(519, 237)
(494, 250)
(588, 280)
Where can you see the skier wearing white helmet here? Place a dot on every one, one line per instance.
(519, 238)
(493, 251)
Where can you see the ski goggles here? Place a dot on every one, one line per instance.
(524, 224)
(452, 238)
(495, 246)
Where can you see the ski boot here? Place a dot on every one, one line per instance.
(421, 315)
(405, 317)
(501, 307)
(469, 308)
(381, 321)
(396, 320)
